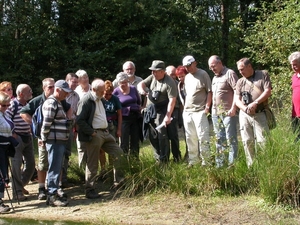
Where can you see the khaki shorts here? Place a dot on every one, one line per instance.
(43, 159)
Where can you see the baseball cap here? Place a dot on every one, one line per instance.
(63, 85)
(188, 60)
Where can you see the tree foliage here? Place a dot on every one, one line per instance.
(46, 38)
(272, 39)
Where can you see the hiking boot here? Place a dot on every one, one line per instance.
(92, 194)
(3, 208)
(25, 192)
(42, 194)
(55, 200)
(20, 197)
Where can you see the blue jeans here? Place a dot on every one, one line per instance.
(56, 152)
(225, 128)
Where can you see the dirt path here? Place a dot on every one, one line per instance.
(150, 209)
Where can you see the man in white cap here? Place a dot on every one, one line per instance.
(197, 104)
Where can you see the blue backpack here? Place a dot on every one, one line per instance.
(37, 120)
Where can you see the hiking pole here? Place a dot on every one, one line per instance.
(7, 191)
(13, 180)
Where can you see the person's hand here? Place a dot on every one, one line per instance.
(231, 112)
(251, 108)
(41, 143)
(167, 120)
(206, 110)
(118, 133)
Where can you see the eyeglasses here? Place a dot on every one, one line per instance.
(5, 105)
(50, 87)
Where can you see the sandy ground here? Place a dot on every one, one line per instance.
(150, 209)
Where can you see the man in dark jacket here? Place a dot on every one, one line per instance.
(93, 135)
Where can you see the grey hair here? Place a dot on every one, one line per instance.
(294, 56)
(128, 62)
(47, 80)
(122, 76)
(97, 83)
(20, 88)
(4, 97)
(81, 73)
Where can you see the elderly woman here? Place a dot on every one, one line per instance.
(131, 106)
(84, 86)
(6, 87)
(6, 127)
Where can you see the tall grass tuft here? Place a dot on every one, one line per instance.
(275, 174)
(277, 166)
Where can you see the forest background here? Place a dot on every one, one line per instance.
(44, 38)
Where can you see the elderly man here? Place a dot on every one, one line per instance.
(252, 93)
(162, 95)
(294, 60)
(224, 110)
(129, 69)
(55, 133)
(93, 134)
(26, 113)
(25, 149)
(197, 104)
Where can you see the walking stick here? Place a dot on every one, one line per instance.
(12, 176)
(7, 191)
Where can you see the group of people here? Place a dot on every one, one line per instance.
(113, 117)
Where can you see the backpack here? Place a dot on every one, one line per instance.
(37, 120)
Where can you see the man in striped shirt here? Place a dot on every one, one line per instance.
(25, 149)
(55, 134)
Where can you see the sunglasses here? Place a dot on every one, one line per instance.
(50, 87)
(5, 105)
(9, 89)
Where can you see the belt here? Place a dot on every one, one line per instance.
(102, 129)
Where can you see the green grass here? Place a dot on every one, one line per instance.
(274, 175)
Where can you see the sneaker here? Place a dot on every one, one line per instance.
(62, 194)
(55, 200)
(42, 194)
(92, 194)
(3, 208)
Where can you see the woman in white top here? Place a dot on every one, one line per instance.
(6, 127)
(84, 86)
